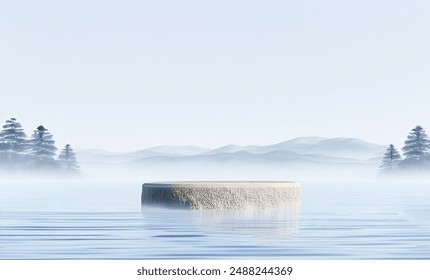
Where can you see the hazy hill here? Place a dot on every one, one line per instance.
(305, 157)
(336, 147)
(94, 155)
(316, 148)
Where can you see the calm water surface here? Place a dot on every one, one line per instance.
(104, 220)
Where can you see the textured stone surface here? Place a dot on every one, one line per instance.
(222, 195)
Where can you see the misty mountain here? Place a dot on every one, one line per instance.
(331, 147)
(95, 155)
(315, 149)
(288, 146)
(305, 157)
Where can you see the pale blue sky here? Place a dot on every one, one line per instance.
(124, 75)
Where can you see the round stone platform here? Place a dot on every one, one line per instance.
(219, 195)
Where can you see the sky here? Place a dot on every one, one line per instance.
(132, 74)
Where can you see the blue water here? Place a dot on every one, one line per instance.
(104, 220)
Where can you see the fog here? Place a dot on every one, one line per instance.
(234, 170)
(300, 159)
(305, 158)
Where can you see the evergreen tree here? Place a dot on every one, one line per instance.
(67, 159)
(2, 145)
(42, 147)
(417, 146)
(391, 159)
(3, 149)
(13, 140)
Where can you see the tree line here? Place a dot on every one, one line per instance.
(37, 152)
(416, 154)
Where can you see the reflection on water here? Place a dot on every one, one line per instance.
(269, 223)
(104, 220)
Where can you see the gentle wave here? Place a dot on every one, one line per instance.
(335, 221)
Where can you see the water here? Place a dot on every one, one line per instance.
(104, 220)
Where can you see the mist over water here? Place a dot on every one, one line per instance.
(304, 158)
(347, 210)
(171, 171)
(89, 219)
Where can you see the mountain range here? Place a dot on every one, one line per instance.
(301, 158)
(304, 148)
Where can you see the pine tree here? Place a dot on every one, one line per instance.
(13, 140)
(417, 146)
(42, 147)
(391, 159)
(3, 146)
(67, 159)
